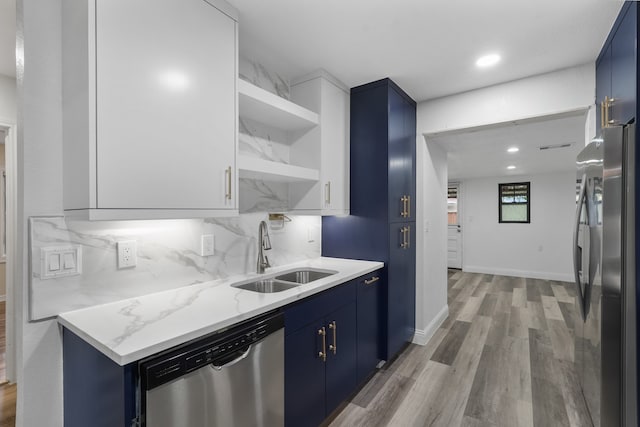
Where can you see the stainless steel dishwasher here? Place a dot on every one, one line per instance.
(231, 378)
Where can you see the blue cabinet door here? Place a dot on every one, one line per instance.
(410, 130)
(368, 324)
(341, 357)
(399, 157)
(623, 68)
(400, 288)
(603, 85)
(304, 378)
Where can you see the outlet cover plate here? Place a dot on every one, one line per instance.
(207, 247)
(127, 254)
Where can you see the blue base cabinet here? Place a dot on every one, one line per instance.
(320, 355)
(97, 391)
(382, 225)
(368, 324)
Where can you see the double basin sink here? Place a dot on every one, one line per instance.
(286, 280)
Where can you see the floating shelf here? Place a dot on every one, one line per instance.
(265, 107)
(254, 168)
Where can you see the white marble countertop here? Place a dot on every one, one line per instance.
(135, 328)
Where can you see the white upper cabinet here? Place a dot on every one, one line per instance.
(326, 147)
(150, 108)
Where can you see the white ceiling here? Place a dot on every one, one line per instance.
(8, 37)
(428, 47)
(483, 152)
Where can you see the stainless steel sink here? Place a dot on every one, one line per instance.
(266, 286)
(305, 275)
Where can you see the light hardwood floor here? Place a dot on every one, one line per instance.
(504, 357)
(8, 392)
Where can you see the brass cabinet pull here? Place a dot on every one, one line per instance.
(602, 115)
(228, 174)
(334, 347)
(403, 199)
(409, 206)
(323, 354)
(406, 239)
(374, 279)
(609, 105)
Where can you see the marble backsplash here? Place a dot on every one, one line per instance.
(264, 142)
(256, 73)
(167, 256)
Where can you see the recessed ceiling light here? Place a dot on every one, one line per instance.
(488, 60)
(511, 167)
(513, 149)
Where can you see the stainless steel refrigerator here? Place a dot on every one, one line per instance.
(604, 265)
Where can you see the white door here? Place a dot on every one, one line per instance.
(454, 238)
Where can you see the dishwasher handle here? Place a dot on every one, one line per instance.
(227, 363)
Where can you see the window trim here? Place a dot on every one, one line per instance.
(528, 203)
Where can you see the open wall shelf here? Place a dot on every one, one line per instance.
(265, 107)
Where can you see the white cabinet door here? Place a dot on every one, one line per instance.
(334, 170)
(325, 147)
(166, 97)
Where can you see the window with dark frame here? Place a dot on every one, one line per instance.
(514, 202)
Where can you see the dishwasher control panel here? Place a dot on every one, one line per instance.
(217, 349)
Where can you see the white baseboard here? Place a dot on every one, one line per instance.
(422, 336)
(519, 273)
(3, 298)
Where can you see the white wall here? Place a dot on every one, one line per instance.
(552, 93)
(39, 359)
(39, 152)
(431, 249)
(545, 94)
(541, 249)
(7, 99)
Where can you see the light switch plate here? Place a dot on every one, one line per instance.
(207, 245)
(127, 254)
(60, 261)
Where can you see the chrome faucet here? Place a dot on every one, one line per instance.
(264, 244)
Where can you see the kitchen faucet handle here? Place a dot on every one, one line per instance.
(266, 262)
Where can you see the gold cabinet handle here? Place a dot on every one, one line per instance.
(406, 237)
(374, 279)
(228, 175)
(609, 105)
(323, 354)
(408, 206)
(602, 122)
(403, 199)
(334, 347)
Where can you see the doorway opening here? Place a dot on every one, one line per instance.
(454, 225)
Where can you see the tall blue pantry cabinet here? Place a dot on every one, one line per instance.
(382, 224)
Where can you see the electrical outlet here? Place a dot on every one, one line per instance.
(127, 254)
(207, 247)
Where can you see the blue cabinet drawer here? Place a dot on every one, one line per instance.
(299, 315)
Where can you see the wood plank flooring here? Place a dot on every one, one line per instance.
(504, 357)
(8, 392)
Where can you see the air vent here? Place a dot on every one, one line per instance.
(553, 147)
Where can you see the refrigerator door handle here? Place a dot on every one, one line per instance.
(576, 252)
